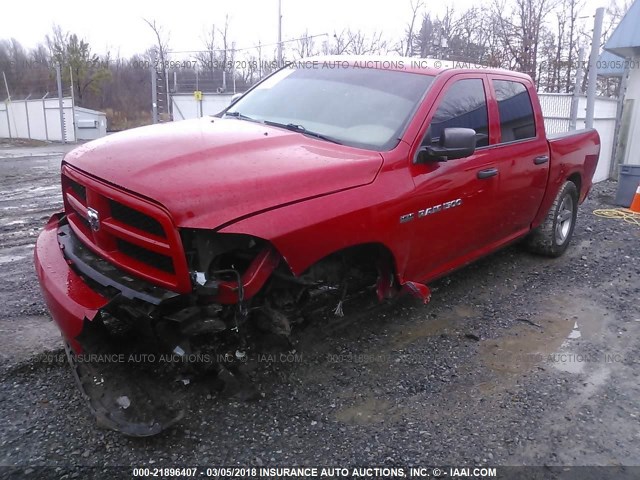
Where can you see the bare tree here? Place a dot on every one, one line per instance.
(615, 12)
(574, 6)
(416, 6)
(161, 54)
(304, 46)
(550, 64)
(339, 45)
(207, 58)
(225, 53)
(162, 43)
(14, 64)
(519, 30)
(359, 43)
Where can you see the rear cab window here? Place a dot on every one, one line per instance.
(517, 120)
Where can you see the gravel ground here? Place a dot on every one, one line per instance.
(517, 360)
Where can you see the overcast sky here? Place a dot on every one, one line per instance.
(118, 25)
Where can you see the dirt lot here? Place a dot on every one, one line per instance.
(517, 360)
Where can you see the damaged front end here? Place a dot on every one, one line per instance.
(127, 354)
(128, 341)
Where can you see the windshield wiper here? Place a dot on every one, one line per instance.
(240, 116)
(300, 128)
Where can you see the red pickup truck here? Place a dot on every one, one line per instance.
(328, 178)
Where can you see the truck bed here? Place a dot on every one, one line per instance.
(574, 152)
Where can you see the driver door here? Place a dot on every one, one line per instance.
(454, 200)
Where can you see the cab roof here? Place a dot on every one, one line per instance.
(425, 66)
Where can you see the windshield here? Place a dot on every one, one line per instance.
(366, 108)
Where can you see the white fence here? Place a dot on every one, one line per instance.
(556, 109)
(186, 106)
(37, 120)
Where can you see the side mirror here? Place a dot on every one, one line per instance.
(235, 98)
(453, 143)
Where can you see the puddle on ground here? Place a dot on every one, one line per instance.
(595, 380)
(369, 411)
(13, 222)
(575, 333)
(589, 326)
(562, 322)
(525, 345)
(26, 337)
(10, 258)
(429, 327)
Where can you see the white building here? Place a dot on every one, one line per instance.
(89, 124)
(625, 42)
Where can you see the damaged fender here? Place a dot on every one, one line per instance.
(117, 402)
(253, 279)
(69, 299)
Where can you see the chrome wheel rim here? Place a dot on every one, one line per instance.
(564, 219)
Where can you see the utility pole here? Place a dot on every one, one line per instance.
(233, 65)
(279, 33)
(8, 104)
(6, 86)
(576, 91)
(73, 105)
(154, 88)
(166, 86)
(593, 70)
(60, 105)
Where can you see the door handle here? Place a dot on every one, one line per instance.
(541, 159)
(488, 173)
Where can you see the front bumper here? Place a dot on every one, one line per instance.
(69, 299)
(76, 283)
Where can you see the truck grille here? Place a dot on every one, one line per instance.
(135, 218)
(143, 255)
(128, 231)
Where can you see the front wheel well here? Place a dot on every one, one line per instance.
(374, 255)
(349, 271)
(362, 264)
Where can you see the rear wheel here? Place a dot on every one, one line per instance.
(553, 236)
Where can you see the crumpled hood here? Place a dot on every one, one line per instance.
(211, 171)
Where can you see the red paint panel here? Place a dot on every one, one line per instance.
(252, 280)
(570, 154)
(67, 296)
(211, 171)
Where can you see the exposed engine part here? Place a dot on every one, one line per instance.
(338, 312)
(386, 280)
(204, 286)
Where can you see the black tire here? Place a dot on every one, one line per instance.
(553, 236)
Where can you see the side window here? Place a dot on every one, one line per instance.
(463, 105)
(516, 113)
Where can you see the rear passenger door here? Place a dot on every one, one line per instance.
(521, 153)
